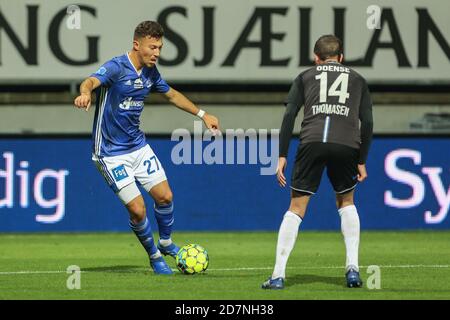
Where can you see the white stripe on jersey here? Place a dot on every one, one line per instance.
(98, 132)
(99, 119)
(325, 129)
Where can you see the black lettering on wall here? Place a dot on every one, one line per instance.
(265, 43)
(208, 37)
(339, 31)
(396, 43)
(427, 25)
(28, 53)
(55, 45)
(305, 39)
(172, 36)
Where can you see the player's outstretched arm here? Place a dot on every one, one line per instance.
(183, 103)
(83, 101)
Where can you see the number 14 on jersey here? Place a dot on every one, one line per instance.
(341, 81)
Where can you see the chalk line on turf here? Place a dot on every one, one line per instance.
(414, 266)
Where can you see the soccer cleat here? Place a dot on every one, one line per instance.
(353, 279)
(274, 284)
(170, 250)
(160, 266)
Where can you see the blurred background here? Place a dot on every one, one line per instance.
(236, 60)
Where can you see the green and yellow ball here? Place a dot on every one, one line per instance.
(192, 258)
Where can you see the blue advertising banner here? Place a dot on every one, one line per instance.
(52, 184)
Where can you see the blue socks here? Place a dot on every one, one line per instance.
(143, 231)
(164, 217)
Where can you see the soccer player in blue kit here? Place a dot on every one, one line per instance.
(120, 150)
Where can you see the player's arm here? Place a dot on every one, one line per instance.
(293, 103)
(183, 103)
(366, 118)
(86, 88)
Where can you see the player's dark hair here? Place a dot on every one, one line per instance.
(328, 46)
(151, 29)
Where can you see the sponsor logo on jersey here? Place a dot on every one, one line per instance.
(129, 103)
(138, 84)
(128, 83)
(119, 173)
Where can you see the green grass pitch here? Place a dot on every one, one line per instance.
(413, 265)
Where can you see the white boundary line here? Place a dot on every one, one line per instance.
(410, 266)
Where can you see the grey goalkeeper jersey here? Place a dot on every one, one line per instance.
(337, 108)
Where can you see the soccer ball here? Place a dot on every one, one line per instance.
(192, 258)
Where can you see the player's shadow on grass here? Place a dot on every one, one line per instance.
(115, 269)
(300, 279)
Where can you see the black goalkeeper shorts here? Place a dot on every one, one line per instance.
(312, 158)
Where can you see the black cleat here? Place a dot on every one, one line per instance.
(353, 279)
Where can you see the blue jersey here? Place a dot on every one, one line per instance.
(120, 101)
